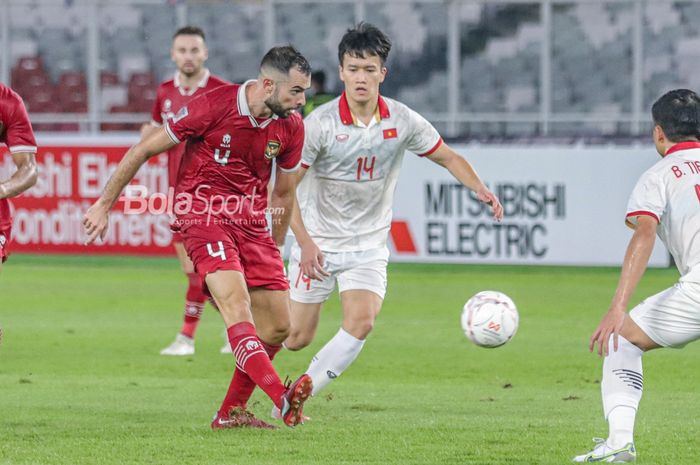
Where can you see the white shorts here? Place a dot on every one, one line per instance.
(352, 270)
(671, 318)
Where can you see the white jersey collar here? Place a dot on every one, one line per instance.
(201, 84)
(244, 108)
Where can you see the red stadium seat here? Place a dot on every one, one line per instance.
(108, 78)
(72, 92)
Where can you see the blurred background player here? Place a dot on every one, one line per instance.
(16, 133)
(352, 154)
(665, 201)
(189, 53)
(233, 134)
(318, 96)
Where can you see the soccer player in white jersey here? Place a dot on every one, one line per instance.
(665, 201)
(352, 154)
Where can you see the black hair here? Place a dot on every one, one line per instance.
(190, 31)
(678, 114)
(284, 59)
(319, 77)
(364, 39)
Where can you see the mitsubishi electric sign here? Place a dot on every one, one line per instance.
(562, 205)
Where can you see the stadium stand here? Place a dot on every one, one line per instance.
(500, 46)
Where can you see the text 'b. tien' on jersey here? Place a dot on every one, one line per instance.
(669, 192)
(347, 193)
(228, 159)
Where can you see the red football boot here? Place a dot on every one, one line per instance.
(239, 417)
(293, 400)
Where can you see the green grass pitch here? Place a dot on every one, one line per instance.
(81, 381)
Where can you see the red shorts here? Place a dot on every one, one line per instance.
(5, 234)
(218, 246)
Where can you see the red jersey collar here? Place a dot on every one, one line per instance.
(682, 146)
(346, 115)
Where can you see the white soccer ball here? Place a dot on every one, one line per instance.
(490, 319)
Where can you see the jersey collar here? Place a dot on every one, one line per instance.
(244, 109)
(201, 84)
(682, 146)
(347, 118)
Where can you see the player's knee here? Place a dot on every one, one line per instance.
(359, 327)
(297, 340)
(231, 306)
(276, 334)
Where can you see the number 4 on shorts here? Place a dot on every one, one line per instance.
(218, 253)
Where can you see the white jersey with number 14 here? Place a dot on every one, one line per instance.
(347, 193)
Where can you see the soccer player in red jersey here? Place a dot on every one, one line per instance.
(16, 133)
(189, 53)
(233, 134)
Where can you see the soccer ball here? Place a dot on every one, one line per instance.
(490, 319)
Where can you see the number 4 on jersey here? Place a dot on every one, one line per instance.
(365, 166)
(219, 253)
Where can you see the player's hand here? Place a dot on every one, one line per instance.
(95, 221)
(489, 198)
(610, 324)
(312, 261)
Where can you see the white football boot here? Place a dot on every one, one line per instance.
(606, 454)
(182, 345)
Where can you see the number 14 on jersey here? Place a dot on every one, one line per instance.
(365, 167)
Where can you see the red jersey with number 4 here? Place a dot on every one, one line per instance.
(228, 159)
(16, 133)
(170, 97)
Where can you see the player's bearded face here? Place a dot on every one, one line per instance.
(277, 107)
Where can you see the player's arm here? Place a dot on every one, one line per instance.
(96, 218)
(24, 178)
(148, 129)
(282, 201)
(462, 170)
(311, 261)
(635, 263)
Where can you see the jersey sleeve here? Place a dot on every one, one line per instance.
(424, 139)
(192, 120)
(313, 140)
(19, 134)
(289, 160)
(648, 199)
(156, 115)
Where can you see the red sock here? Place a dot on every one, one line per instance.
(194, 304)
(242, 387)
(252, 359)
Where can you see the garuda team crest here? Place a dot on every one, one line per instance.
(272, 149)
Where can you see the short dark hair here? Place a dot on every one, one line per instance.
(678, 114)
(190, 31)
(364, 39)
(319, 77)
(284, 59)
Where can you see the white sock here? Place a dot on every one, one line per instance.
(333, 359)
(622, 390)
